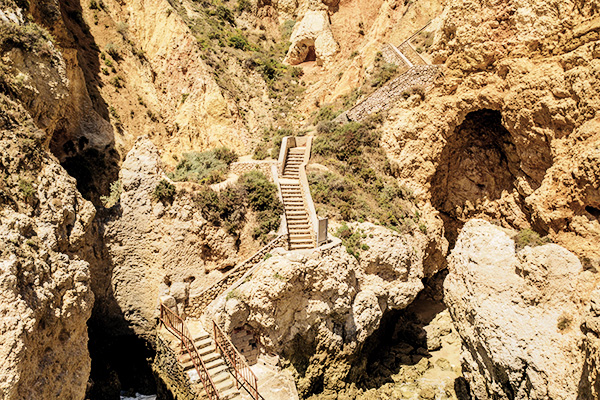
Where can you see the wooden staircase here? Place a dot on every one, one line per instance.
(215, 365)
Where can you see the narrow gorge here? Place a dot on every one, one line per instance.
(308, 199)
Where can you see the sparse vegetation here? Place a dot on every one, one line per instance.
(359, 185)
(112, 51)
(115, 194)
(528, 237)
(262, 199)
(206, 168)
(228, 207)
(164, 192)
(26, 188)
(29, 36)
(352, 240)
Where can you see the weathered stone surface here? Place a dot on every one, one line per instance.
(313, 32)
(327, 301)
(516, 59)
(151, 243)
(518, 315)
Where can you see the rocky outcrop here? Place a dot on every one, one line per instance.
(318, 308)
(510, 132)
(45, 296)
(312, 37)
(160, 248)
(518, 315)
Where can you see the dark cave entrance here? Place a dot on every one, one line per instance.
(476, 166)
(311, 55)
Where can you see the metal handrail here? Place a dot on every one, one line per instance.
(242, 372)
(176, 325)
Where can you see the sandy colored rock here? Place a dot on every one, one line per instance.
(327, 302)
(518, 315)
(505, 133)
(313, 33)
(149, 247)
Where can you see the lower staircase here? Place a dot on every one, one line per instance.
(215, 365)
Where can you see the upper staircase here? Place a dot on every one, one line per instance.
(301, 233)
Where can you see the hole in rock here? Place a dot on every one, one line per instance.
(120, 365)
(593, 210)
(475, 168)
(311, 55)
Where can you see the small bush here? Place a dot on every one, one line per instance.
(112, 51)
(115, 194)
(26, 188)
(94, 5)
(204, 168)
(226, 155)
(351, 240)
(122, 27)
(528, 237)
(238, 41)
(386, 72)
(117, 82)
(164, 192)
(262, 198)
(244, 5)
(225, 14)
(225, 208)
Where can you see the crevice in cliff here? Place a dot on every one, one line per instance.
(412, 347)
(477, 168)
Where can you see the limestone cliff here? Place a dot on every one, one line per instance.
(317, 309)
(518, 315)
(509, 132)
(159, 248)
(45, 299)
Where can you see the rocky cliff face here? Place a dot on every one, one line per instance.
(159, 248)
(318, 309)
(519, 315)
(509, 131)
(46, 298)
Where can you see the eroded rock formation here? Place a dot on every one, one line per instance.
(159, 248)
(518, 315)
(312, 39)
(509, 131)
(319, 308)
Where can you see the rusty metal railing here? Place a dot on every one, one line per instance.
(241, 370)
(176, 326)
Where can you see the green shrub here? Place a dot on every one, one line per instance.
(244, 5)
(238, 41)
(225, 208)
(29, 36)
(94, 5)
(383, 74)
(112, 51)
(226, 155)
(26, 188)
(528, 237)
(164, 192)
(225, 14)
(346, 141)
(351, 239)
(262, 198)
(115, 194)
(204, 168)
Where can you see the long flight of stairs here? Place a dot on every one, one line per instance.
(218, 370)
(298, 222)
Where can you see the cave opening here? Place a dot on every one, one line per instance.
(311, 55)
(476, 167)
